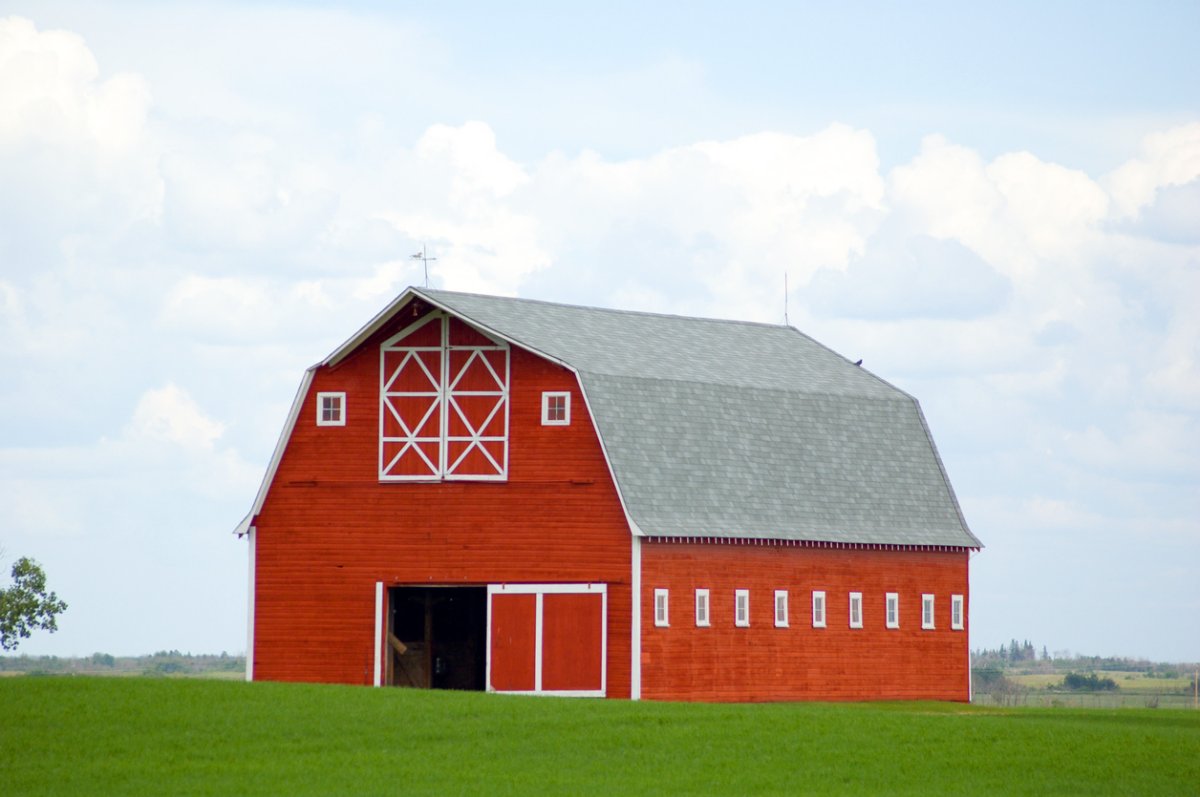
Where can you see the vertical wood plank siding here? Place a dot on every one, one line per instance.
(329, 529)
(761, 662)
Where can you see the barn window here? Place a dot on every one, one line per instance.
(956, 612)
(443, 403)
(818, 606)
(893, 610)
(702, 608)
(741, 612)
(856, 618)
(927, 611)
(331, 409)
(781, 612)
(660, 608)
(556, 409)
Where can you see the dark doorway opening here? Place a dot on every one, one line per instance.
(436, 637)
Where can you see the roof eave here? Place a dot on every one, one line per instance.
(277, 455)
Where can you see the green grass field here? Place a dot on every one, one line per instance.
(115, 736)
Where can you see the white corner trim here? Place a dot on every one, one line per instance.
(251, 545)
(635, 625)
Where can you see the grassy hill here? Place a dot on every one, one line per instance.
(81, 735)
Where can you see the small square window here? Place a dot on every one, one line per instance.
(781, 610)
(556, 409)
(702, 608)
(331, 409)
(856, 618)
(660, 607)
(893, 610)
(956, 612)
(741, 600)
(818, 606)
(927, 611)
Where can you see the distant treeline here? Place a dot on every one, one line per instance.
(1024, 654)
(164, 662)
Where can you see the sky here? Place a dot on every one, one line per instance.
(995, 205)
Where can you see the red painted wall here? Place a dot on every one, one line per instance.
(762, 662)
(329, 529)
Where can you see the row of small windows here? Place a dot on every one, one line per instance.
(741, 609)
(556, 409)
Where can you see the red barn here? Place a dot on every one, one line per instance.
(476, 492)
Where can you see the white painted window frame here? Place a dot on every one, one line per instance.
(340, 396)
(741, 608)
(548, 397)
(818, 608)
(541, 590)
(662, 614)
(892, 609)
(781, 603)
(856, 610)
(703, 609)
(928, 611)
(957, 621)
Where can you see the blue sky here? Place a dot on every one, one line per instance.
(995, 206)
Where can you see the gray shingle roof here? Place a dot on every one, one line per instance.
(731, 429)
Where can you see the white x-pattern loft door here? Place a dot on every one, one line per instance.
(443, 403)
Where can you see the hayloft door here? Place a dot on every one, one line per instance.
(443, 403)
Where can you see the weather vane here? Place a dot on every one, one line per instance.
(424, 258)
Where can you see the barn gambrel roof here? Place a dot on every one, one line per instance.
(729, 429)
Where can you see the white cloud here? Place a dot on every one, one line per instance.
(75, 156)
(1168, 158)
(168, 414)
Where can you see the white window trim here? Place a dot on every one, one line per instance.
(781, 601)
(928, 608)
(547, 396)
(703, 609)
(739, 619)
(662, 613)
(341, 417)
(818, 608)
(891, 609)
(856, 603)
(956, 612)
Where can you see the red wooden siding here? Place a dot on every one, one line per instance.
(762, 662)
(329, 529)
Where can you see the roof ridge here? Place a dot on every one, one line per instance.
(899, 395)
(611, 310)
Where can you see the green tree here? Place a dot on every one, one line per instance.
(26, 606)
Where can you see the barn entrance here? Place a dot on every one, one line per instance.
(436, 637)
